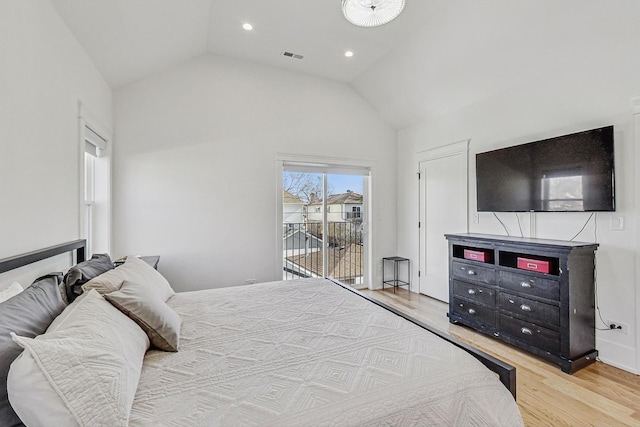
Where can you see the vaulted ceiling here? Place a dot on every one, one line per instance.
(438, 56)
(129, 39)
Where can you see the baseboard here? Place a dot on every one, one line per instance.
(619, 356)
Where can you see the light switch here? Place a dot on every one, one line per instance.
(617, 223)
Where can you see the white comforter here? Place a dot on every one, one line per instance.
(302, 353)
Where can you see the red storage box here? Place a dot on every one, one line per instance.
(476, 255)
(533, 265)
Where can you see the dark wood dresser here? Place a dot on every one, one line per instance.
(533, 293)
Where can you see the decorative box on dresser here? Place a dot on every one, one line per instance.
(536, 294)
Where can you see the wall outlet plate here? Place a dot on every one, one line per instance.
(619, 327)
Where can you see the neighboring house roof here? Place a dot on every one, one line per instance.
(344, 262)
(303, 234)
(349, 197)
(291, 199)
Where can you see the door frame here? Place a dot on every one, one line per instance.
(337, 163)
(423, 157)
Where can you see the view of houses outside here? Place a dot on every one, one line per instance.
(306, 244)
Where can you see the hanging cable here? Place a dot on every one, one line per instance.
(583, 227)
(503, 226)
(595, 288)
(595, 271)
(519, 225)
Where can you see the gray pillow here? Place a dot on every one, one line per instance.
(81, 273)
(27, 314)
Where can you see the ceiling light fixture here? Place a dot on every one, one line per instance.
(348, 54)
(371, 13)
(247, 26)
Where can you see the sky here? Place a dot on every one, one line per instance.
(341, 183)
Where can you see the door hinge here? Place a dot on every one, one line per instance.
(418, 224)
(418, 273)
(418, 175)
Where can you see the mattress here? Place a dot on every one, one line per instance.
(308, 352)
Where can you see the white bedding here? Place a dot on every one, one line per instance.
(301, 353)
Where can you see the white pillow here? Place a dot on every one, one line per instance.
(87, 370)
(133, 270)
(68, 311)
(14, 289)
(49, 407)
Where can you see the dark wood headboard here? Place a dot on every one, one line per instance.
(18, 261)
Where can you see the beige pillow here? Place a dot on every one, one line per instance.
(133, 270)
(154, 316)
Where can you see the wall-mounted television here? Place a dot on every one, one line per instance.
(570, 173)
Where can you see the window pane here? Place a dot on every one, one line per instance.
(345, 251)
(302, 224)
(314, 238)
(89, 177)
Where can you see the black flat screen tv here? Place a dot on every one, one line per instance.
(570, 173)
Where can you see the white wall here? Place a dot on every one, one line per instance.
(43, 74)
(195, 165)
(506, 73)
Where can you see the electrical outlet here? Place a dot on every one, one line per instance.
(250, 281)
(619, 327)
(476, 218)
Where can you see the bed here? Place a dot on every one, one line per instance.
(302, 352)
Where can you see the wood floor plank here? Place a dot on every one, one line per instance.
(598, 395)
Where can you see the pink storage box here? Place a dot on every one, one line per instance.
(533, 265)
(476, 255)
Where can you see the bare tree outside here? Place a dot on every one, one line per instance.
(307, 246)
(303, 185)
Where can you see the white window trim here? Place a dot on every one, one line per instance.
(88, 120)
(332, 165)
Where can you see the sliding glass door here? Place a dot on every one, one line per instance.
(324, 223)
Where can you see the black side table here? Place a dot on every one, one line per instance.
(395, 281)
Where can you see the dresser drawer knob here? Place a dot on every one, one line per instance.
(525, 284)
(526, 331)
(471, 291)
(525, 307)
(471, 311)
(471, 273)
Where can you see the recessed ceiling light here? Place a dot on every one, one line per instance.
(247, 26)
(348, 54)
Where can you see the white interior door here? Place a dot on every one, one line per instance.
(443, 201)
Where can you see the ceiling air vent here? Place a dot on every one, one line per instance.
(292, 55)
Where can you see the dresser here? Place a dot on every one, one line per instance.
(536, 294)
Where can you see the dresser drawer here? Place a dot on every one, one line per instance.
(476, 312)
(474, 292)
(530, 285)
(530, 333)
(533, 311)
(473, 273)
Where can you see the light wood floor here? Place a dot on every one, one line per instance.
(599, 395)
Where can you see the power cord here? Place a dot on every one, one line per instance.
(519, 225)
(503, 226)
(584, 226)
(595, 272)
